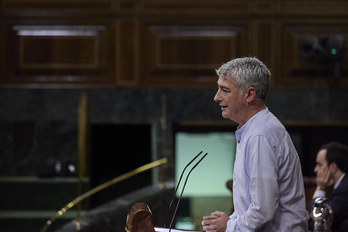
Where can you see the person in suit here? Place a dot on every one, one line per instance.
(331, 168)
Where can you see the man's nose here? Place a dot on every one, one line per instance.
(217, 96)
(315, 169)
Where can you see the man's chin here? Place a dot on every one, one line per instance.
(224, 115)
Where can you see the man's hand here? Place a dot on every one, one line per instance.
(323, 178)
(216, 222)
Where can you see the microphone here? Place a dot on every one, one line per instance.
(176, 189)
(182, 191)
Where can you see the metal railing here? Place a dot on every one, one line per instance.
(99, 188)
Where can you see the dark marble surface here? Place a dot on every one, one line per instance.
(37, 125)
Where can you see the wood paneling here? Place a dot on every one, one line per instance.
(264, 40)
(165, 43)
(188, 54)
(197, 6)
(127, 51)
(305, 66)
(56, 5)
(56, 54)
(309, 8)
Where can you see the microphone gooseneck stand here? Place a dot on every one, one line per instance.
(182, 191)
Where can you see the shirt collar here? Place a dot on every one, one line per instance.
(339, 181)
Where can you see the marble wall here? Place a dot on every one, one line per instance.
(37, 125)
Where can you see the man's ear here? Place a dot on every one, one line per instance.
(251, 94)
(333, 167)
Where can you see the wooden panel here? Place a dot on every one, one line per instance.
(164, 42)
(2, 49)
(264, 44)
(56, 54)
(56, 5)
(198, 6)
(306, 8)
(188, 54)
(127, 50)
(264, 7)
(304, 59)
(231, 7)
(45, 52)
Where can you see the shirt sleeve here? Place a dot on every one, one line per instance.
(319, 193)
(262, 169)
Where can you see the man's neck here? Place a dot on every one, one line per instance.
(254, 109)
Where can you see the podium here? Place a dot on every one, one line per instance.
(139, 220)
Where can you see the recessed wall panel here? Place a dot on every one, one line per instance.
(188, 53)
(307, 58)
(45, 52)
(56, 54)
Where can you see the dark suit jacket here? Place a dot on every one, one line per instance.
(339, 205)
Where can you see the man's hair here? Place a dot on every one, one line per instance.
(338, 153)
(247, 72)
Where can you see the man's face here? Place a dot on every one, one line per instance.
(232, 103)
(321, 162)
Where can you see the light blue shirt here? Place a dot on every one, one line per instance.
(268, 188)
